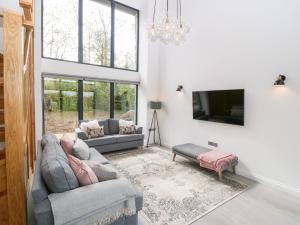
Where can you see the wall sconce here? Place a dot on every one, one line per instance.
(280, 80)
(179, 88)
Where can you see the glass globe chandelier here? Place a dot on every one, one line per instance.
(168, 29)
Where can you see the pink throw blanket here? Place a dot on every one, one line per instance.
(216, 160)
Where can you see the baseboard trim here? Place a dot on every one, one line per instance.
(270, 182)
(262, 179)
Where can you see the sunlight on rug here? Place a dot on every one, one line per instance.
(175, 193)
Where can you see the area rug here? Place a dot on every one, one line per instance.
(175, 193)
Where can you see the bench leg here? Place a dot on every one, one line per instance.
(220, 175)
(233, 170)
(174, 156)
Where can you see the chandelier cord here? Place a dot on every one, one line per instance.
(180, 10)
(154, 11)
(167, 8)
(177, 8)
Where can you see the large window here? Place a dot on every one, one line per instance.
(60, 105)
(98, 32)
(126, 31)
(125, 101)
(60, 29)
(96, 100)
(68, 100)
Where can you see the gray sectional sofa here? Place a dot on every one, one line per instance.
(42, 208)
(112, 141)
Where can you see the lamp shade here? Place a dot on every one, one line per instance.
(155, 105)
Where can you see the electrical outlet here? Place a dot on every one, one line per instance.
(213, 144)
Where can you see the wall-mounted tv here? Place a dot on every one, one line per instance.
(224, 106)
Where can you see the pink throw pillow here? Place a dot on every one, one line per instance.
(67, 144)
(82, 171)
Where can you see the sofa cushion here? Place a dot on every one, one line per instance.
(106, 140)
(104, 123)
(67, 143)
(82, 171)
(49, 138)
(113, 126)
(95, 156)
(103, 172)
(39, 190)
(190, 150)
(81, 149)
(128, 138)
(43, 213)
(56, 172)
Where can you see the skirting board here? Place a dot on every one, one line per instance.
(263, 180)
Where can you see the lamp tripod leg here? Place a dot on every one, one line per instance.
(149, 131)
(158, 130)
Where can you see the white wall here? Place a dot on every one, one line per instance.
(147, 82)
(239, 44)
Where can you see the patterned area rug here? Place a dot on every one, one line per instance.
(175, 193)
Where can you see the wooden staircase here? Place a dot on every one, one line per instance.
(3, 187)
(2, 127)
(17, 128)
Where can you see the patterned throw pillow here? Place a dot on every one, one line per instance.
(95, 132)
(127, 129)
(82, 171)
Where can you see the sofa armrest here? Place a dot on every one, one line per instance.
(80, 134)
(92, 198)
(139, 129)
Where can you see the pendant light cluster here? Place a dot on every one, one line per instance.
(168, 29)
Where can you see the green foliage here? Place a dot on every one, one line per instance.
(61, 95)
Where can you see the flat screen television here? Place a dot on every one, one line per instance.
(224, 106)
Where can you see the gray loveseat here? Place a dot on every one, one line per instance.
(42, 207)
(113, 141)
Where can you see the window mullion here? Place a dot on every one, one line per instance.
(80, 31)
(112, 42)
(80, 99)
(112, 100)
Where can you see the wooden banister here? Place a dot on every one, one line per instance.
(14, 104)
(27, 49)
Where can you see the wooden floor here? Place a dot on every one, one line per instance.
(259, 205)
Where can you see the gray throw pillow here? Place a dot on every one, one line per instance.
(49, 138)
(56, 171)
(104, 123)
(103, 172)
(81, 150)
(113, 126)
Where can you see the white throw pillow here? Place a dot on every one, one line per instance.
(91, 124)
(125, 123)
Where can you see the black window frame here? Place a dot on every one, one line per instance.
(80, 36)
(80, 80)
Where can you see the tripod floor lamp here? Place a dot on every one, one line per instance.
(154, 122)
